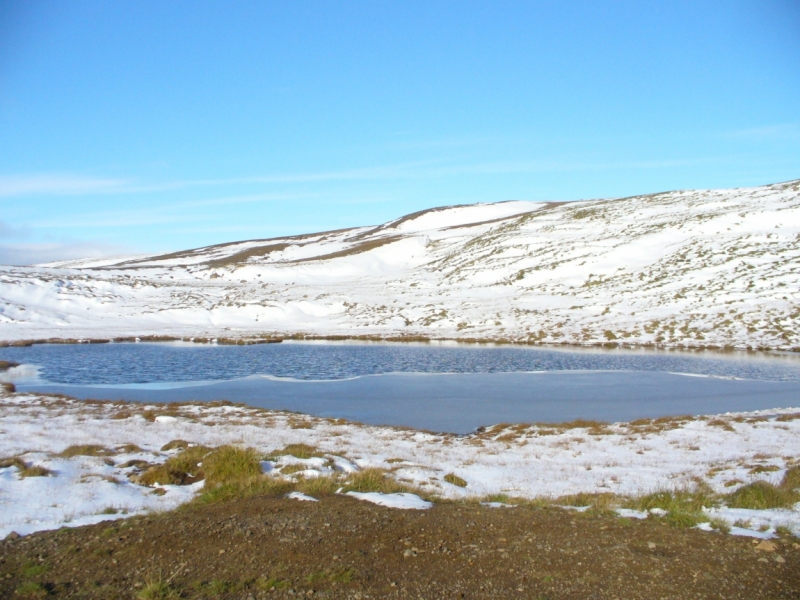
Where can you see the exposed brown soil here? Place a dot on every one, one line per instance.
(266, 547)
(353, 250)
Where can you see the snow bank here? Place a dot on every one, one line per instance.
(524, 461)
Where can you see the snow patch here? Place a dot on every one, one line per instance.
(399, 500)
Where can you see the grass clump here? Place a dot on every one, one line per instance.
(13, 461)
(760, 495)
(291, 469)
(791, 479)
(455, 480)
(173, 444)
(343, 574)
(599, 501)
(31, 569)
(229, 464)
(218, 466)
(373, 480)
(298, 451)
(678, 500)
(265, 584)
(720, 525)
(35, 471)
(137, 463)
(158, 589)
(763, 469)
(684, 506)
(129, 449)
(85, 450)
(182, 469)
(31, 589)
(23, 469)
(319, 486)
(501, 498)
(218, 587)
(232, 472)
(256, 486)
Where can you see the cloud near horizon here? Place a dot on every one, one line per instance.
(21, 255)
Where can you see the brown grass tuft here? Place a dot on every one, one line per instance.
(128, 449)
(374, 480)
(455, 480)
(23, 469)
(791, 479)
(173, 444)
(298, 451)
(85, 450)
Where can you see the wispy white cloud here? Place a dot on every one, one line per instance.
(21, 185)
(66, 184)
(38, 184)
(768, 132)
(163, 214)
(439, 168)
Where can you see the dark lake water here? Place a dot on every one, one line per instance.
(116, 364)
(440, 387)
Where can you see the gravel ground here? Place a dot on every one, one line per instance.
(266, 547)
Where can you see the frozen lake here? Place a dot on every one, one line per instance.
(442, 387)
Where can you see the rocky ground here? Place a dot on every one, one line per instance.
(339, 547)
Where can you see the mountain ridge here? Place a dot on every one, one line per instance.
(703, 268)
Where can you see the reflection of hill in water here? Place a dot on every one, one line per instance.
(146, 363)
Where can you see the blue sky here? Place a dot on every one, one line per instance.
(151, 126)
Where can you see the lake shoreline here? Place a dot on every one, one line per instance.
(411, 339)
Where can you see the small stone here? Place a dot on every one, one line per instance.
(766, 546)
(13, 536)
(222, 551)
(762, 559)
(779, 559)
(651, 545)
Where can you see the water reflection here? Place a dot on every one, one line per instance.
(115, 364)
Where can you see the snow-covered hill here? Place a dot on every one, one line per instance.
(696, 268)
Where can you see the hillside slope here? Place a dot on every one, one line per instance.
(696, 268)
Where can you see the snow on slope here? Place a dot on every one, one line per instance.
(686, 268)
(527, 461)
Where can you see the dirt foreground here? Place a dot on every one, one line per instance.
(340, 547)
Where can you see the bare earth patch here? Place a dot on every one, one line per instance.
(268, 547)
